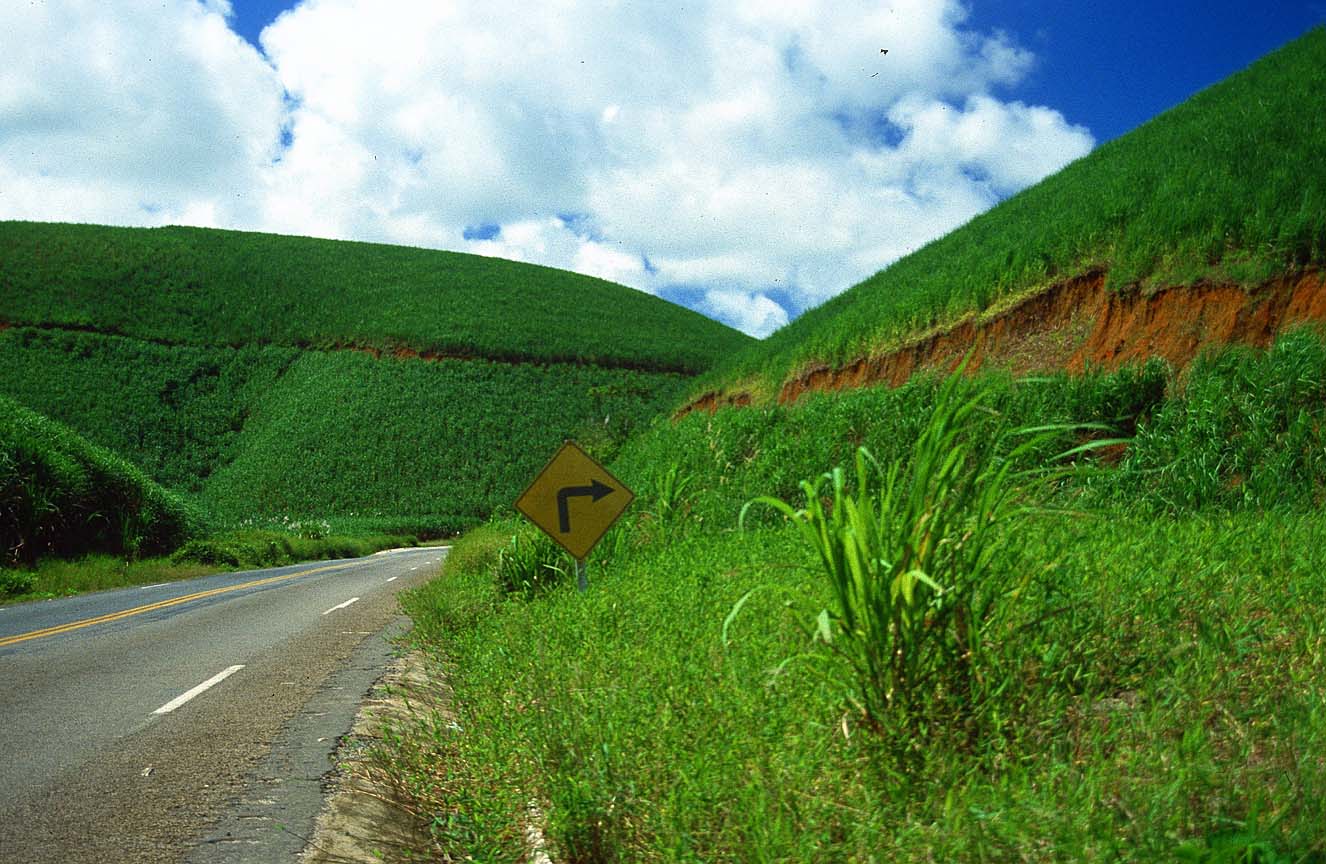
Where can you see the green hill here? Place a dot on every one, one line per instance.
(201, 286)
(279, 378)
(61, 494)
(1229, 186)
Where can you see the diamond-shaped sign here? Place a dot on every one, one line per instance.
(574, 500)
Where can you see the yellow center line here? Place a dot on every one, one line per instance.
(150, 607)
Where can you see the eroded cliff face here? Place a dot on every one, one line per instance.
(1074, 324)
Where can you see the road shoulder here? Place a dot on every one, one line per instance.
(273, 818)
(365, 817)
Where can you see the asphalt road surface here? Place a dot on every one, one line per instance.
(132, 721)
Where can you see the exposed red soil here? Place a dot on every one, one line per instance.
(1074, 324)
(711, 402)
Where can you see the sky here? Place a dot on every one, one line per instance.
(746, 158)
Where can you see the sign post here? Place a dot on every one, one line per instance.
(574, 500)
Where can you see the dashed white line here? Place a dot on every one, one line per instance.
(393, 579)
(209, 683)
(158, 585)
(412, 569)
(341, 606)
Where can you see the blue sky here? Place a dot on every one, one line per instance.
(1112, 66)
(747, 159)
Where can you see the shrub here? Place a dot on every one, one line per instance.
(61, 494)
(915, 555)
(15, 582)
(531, 562)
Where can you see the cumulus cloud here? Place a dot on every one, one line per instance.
(747, 311)
(728, 149)
(134, 112)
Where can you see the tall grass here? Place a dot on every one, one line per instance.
(1157, 698)
(913, 553)
(736, 455)
(1248, 430)
(60, 494)
(1153, 693)
(530, 563)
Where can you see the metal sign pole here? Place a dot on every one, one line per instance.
(582, 578)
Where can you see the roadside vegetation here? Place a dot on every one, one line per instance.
(52, 578)
(1124, 664)
(1227, 186)
(76, 517)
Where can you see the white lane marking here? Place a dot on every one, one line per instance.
(341, 606)
(393, 579)
(206, 685)
(158, 585)
(412, 569)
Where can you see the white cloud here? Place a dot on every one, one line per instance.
(736, 146)
(141, 114)
(749, 312)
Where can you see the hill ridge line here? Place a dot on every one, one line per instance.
(1073, 324)
(397, 352)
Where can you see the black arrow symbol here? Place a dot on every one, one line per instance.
(595, 491)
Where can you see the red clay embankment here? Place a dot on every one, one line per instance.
(1077, 323)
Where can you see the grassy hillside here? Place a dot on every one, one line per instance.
(175, 411)
(61, 494)
(280, 380)
(202, 286)
(1228, 185)
(420, 446)
(1134, 676)
(273, 433)
(1054, 619)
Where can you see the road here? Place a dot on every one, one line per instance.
(132, 720)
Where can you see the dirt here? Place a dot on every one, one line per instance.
(1075, 324)
(366, 818)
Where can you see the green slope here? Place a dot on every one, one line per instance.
(59, 493)
(1152, 691)
(281, 379)
(1229, 185)
(208, 287)
(416, 445)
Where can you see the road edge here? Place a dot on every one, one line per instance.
(274, 817)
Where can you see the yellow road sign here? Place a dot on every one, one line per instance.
(574, 500)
